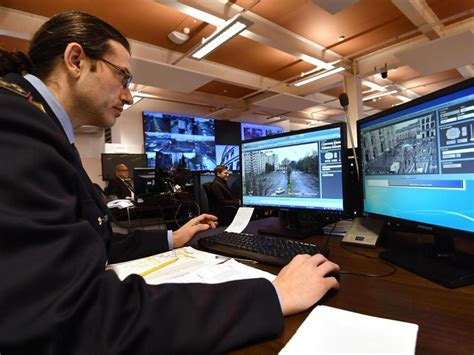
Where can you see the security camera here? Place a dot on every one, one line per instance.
(384, 74)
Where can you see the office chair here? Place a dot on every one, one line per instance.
(225, 213)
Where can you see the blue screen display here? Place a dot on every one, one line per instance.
(179, 139)
(251, 130)
(418, 162)
(229, 156)
(301, 170)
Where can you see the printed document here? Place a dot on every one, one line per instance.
(329, 330)
(241, 220)
(186, 265)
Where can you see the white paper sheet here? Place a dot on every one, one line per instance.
(241, 220)
(227, 271)
(189, 259)
(191, 266)
(329, 330)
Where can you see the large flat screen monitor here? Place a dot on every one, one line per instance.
(110, 160)
(252, 130)
(296, 172)
(181, 139)
(418, 171)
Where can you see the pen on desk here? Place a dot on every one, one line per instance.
(158, 267)
(225, 259)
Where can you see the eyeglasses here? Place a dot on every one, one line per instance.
(126, 76)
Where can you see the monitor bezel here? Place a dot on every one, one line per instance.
(320, 210)
(401, 224)
(102, 157)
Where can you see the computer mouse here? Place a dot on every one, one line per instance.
(334, 274)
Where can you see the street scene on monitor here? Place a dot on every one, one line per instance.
(406, 148)
(188, 141)
(286, 171)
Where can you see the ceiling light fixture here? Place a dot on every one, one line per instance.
(315, 77)
(403, 98)
(379, 95)
(230, 29)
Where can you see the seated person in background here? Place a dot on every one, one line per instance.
(222, 196)
(121, 186)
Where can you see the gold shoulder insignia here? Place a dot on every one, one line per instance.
(38, 105)
(14, 88)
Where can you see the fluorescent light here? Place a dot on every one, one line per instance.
(135, 100)
(229, 30)
(403, 98)
(318, 76)
(379, 95)
(316, 61)
(373, 86)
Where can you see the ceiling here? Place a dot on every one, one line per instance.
(423, 45)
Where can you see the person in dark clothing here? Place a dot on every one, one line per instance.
(57, 296)
(121, 186)
(223, 202)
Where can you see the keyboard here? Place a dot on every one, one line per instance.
(262, 248)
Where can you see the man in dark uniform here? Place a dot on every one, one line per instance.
(222, 202)
(121, 186)
(55, 238)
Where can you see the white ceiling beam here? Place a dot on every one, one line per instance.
(263, 30)
(19, 24)
(422, 16)
(364, 66)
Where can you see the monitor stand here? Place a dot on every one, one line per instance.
(290, 226)
(439, 262)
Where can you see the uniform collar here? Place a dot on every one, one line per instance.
(55, 106)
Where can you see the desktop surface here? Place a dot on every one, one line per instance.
(445, 316)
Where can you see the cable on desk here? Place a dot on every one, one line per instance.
(391, 272)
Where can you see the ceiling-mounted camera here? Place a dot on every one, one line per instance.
(384, 72)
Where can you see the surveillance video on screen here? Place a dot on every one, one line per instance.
(286, 171)
(183, 140)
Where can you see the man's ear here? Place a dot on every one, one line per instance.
(74, 59)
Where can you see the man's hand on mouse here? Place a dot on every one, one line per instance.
(304, 281)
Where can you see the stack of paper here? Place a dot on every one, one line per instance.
(187, 265)
(330, 330)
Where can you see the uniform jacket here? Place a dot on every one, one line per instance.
(56, 296)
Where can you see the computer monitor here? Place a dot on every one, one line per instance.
(110, 160)
(417, 165)
(296, 172)
(143, 181)
(182, 138)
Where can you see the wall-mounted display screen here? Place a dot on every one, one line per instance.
(228, 155)
(251, 130)
(183, 140)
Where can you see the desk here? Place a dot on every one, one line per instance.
(445, 316)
